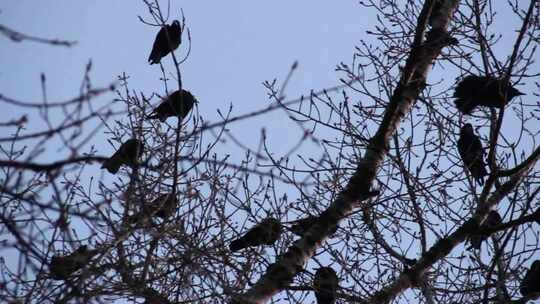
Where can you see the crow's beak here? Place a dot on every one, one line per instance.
(520, 93)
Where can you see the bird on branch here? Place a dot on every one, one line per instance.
(266, 232)
(301, 226)
(472, 153)
(167, 40)
(473, 91)
(530, 286)
(325, 285)
(162, 207)
(177, 104)
(61, 267)
(128, 154)
(493, 219)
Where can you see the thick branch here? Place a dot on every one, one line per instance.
(532, 158)
(412, 82)
(444, 246)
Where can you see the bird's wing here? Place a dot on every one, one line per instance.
(462, 148)
(159, 43)
(476, 146)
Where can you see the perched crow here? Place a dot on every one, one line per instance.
(531, 283)
(301, 226)
(265, 233)
(163, 45)
(128, 154)
(325, 285)
(471, 152)
(163, 207)
(177, 104)
(493, 219)
(486, 91)
(61, 267)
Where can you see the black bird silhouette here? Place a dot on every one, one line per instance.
(61, 267)
(486, 91)
(163, 44)
(471, 152)
(128, 154)
(325, 285)
(177, 104)
(301, 226)
(265, 233)
(163, 207)
(493, 219)
(530, 286)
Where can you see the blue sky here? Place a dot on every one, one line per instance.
(236, 46)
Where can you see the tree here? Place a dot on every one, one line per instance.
(389, 177)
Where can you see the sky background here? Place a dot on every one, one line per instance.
(236, 45)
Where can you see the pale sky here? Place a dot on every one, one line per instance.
(236, 46)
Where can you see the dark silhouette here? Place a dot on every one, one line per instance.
(435, 12)
(471, 152)
(163, 44)
(177, 104)
(265, 233)
(301, 226)
(531, 282)
(325, 285)
(493, 219)
(162, 207)
(473, 91)
(128, 154)
(61, 267)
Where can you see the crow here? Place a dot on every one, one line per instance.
(265, 233)
(163, 207)
(61, 267)
(177, 104)
(471, 152)
(493, 219)
(128, 154)
(325, 285)
(486, 91)
(530, 286)
(167, 40)
(301, 226)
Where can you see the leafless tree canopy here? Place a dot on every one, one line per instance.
(390, 205)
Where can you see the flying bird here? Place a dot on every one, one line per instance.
(167, 40)
(471, 152)
(162, 207)
(531, 282)
(325, 285)
(493, 219)
(473, 91)
(128, 154)
(265, 233)
(61, 267)
(177, 104)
